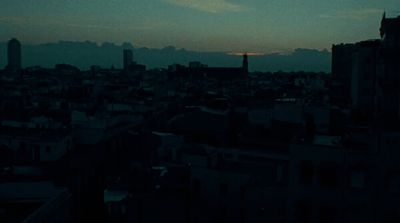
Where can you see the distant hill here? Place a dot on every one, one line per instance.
(85, 54)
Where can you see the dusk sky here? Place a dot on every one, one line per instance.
(206, 25)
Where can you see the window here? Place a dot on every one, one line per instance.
(391, 141)
(279, 173)
(36, 152)
(328, 215)
(306, 172)
(366, 75)
(123, 209)
(196, 188)
(328, 174)
(228, 155)
(366, 91)
(242, 193)
(303, 212)
(392, 181)
(223, 188)
(358, 176)
(392, 215)
(24, 153)
(22, 147)
(281, 214)
(222, 214)
(357, 179)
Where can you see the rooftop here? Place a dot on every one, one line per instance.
(326, 140)
(19, 192)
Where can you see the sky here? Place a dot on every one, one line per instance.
(259, 26)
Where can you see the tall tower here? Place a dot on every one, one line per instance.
(14, 55)
(381, 30)
(387, 68)
(128, 58)
(245, 65)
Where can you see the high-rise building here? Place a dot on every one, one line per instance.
(14, 55)
(342, 63)
(388, 70)
(128, 58)
(363, 77)
(367, 74)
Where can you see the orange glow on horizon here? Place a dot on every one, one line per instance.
(248, 54)
(258, 54)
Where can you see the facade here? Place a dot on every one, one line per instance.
(363, 75)
(34, 146)
(228, 73)
(368, 74)
(389, 30)
(128, 58)
(331, 183)
(14, 55)
(196, 70)
(342, 57)
(388, 70)
(129, 64)
(361, 171)
(37, 201)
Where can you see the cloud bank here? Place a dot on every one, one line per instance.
(359, 14)
(210, 6)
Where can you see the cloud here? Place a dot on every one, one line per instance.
(253, 54)
(359, 14)
(211, 6)
(12, 20)
(81, 24)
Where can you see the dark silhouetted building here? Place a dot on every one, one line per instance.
(228, 73)
(388, 70)
(390, 28)
(341, 74)
(128, 58)
(365, 75)
(245, 63)
(198, 70)
(14, 55)
(129, 64)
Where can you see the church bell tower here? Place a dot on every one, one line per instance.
(245, 64)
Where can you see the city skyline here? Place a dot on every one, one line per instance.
(212, 25)
(105, 133)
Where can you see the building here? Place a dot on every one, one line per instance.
(129, 64)
(365, 75)
(245, 64)
(389, 30)
(37, 201)
(128, 58)
(35, 145)
(388, 70)
(341, 74)
(197, 70)
(227, 73)
(352, 179)
(14, 55)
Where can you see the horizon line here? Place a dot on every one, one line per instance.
(227, 52)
